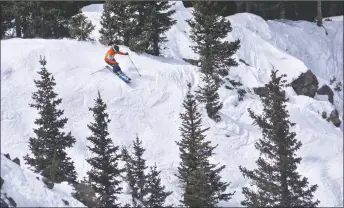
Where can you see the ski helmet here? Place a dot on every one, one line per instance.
(115, 48)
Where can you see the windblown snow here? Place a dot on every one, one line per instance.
(151, 104)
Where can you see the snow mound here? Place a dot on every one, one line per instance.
(151, 104)
(28, 190)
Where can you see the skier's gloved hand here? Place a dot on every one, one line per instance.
(126, 53)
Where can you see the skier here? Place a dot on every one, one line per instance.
(110, 59)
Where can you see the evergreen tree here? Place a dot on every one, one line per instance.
(277, 182)
(80, 27)
(157, 191)
(136, 177)
(43, 19)
(6, 18)
(209, 95)
(141, 23)
(208, 29)
(104, 174)
(49, 144)
(128, 167)
(116, 22)
(201, 180)
(158, 21)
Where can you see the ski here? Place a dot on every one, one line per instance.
(122, 76)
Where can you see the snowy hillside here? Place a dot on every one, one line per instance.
(150, 106)
(28, 190)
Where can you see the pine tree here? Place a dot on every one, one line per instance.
(201, 180)
(209, 95)
(137, 179)
(141, 23)
(129, 176)
(277, 182)
(116, 22)
(6, 17)
(80, 27)
(104, 175)
(157, 191)
(157, 22)
(208, 29)
(49, 144)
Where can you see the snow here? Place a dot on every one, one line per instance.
(151, 104)
(28, 190)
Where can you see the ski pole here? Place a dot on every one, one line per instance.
(97, 71)
(134, 65)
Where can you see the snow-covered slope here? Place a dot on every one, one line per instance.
(28, 190)
(150, 106)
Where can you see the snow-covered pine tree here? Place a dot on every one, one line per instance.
(136, 178)
(276, 180)
(116, 22)
(200, 179)
(157, 193)
(80, 27)
(104, 176)
(49, 143)
(129, 177)
(208, 29)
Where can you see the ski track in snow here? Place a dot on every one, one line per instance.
(150, 105)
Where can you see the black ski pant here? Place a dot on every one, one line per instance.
(115, 68)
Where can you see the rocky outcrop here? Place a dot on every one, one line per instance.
(326, 90)
(334, 118)
(306, 84)
(16, 161)
(7, 156)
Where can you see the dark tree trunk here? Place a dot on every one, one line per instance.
(239, 6)
(282, 11)
(319, 14)
(248, 6)
(18, 26)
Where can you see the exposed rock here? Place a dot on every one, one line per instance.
(1, 182)
(48, 183)
(65, 202)
(16, 161)
(8, 156)
(334, 118)
(306, 84)
(85, 194)
(326, 90)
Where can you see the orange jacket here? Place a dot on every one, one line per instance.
(110, 56)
